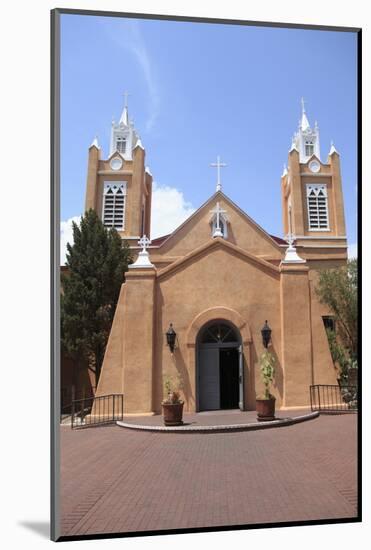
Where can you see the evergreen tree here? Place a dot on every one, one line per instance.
(96, 265)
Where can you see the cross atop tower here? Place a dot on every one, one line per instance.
(125, 117)
(218, 165)
(126, 95)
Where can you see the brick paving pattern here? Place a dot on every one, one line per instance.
(119, 480)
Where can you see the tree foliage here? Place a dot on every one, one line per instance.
(96, 265)
(338, 289)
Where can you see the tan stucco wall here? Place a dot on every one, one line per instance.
(218, 277)
(293, 187)
(241, 232)
(240, 279)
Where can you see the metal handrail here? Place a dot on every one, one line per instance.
(333, 398)
(93, 411)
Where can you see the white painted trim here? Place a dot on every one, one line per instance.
(326, 238)
(115, 172)
(316, 175)
(321, 246)
(320, 230)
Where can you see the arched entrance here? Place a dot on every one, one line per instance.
(219, 367)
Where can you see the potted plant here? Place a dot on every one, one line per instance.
(265, 405)
(172, 405)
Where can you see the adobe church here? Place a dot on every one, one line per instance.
(217, 278)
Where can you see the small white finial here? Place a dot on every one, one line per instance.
(304, 123)
(124, 119)
(139, 143)
(293, 145)
(332, 149)
(95, 143)
(143, 260)
(284, 170)
(291, 256)
(144, 242)
(218, 165)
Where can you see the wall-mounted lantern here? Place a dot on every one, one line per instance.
(266, 334)
(171, 337)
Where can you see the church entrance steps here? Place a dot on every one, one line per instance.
(216, 422)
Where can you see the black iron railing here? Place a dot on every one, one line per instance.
(70, 394)
(328, 398)
(94, 411)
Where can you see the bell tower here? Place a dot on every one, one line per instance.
(311, 191)
(119, 187)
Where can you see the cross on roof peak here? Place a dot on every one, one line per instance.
(218, 165)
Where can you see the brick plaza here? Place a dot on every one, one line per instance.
(119, 480)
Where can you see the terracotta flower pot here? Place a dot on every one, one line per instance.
(265, 409)
(173, 414)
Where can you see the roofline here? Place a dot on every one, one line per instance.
(234, 205)
(216, 242)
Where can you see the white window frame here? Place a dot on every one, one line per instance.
(121, 140)
(308, 143)
(109, 218)
(224, 221)
(317, 207)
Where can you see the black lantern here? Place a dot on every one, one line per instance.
(266, 334)
(171, 337)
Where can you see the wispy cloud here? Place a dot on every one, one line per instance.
(169, 209)
(129, 37)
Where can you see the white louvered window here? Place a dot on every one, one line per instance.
(121, 144)
(114, 204)
(317, 207)
(309, 148)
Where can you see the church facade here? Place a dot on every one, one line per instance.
(217, 278)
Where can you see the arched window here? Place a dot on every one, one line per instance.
(318, 219)
(114, 204)
(222, 226)
(218, 333)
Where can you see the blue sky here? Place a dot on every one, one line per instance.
(199, 90)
